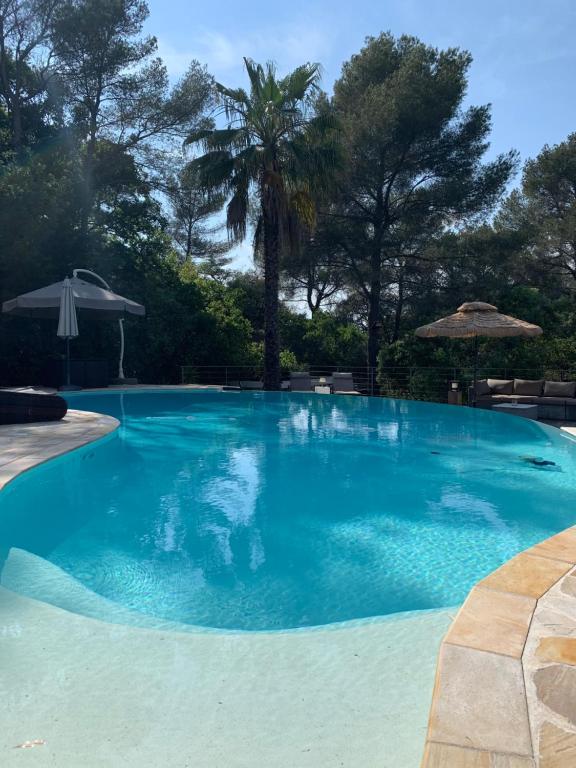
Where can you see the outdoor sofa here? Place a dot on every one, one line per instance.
(28, 407)
(555, 399)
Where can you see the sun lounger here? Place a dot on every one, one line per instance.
(300, 382)
(343, 384)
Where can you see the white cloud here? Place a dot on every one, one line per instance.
(223, 53)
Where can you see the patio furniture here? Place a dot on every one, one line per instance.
(343, 384)
(251, 384)
(26, 408)
(323, 389)
(300, 382)
(518, 409)
(556, 400)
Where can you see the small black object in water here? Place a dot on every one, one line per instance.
(538, 462)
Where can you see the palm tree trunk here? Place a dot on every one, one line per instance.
(271, 287)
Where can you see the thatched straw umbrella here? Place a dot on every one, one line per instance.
(474, 319)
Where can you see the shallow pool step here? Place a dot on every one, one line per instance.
(32, 576)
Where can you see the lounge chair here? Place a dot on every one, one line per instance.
(300, 382)
(251, 384)
(343, 384)
(26, 407)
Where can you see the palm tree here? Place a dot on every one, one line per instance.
(277, 144)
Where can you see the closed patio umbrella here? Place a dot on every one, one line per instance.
(474, 319)
(67, 323)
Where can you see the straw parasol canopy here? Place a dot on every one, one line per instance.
(474, 319)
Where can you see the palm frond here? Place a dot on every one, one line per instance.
(302, 203)
(250, 160)
(237, 214)
(256, 76)
(197, 136)
(226, 138)
(238, 95)
(214, 170)
(299, 83)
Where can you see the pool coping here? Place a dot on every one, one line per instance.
(505, 689)
(25, 446)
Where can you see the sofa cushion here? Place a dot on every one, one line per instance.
(514, 399)
(559, 388)
(501, 386)
(482, 388)
(554, 400)
(528, 387)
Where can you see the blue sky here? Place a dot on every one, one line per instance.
(523, 50)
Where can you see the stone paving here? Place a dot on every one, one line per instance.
(23, 446)
(505, 691)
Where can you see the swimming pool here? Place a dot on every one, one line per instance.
(269, 511)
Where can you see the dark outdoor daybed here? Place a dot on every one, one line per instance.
(555, 399)
(27, 407)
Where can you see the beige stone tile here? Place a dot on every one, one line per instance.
(493, 621)
(556, 689)
(557, 747)
(526, 575)
(568, 586)
(559, 547)
(510, 761)
(559, 649)
(479, 702)
(449, 756)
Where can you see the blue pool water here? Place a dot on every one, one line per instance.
(271, 511)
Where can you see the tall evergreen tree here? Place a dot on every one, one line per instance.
(193, 224)
(25, 67)
(543, 214)
(117, 91)
(414, 157)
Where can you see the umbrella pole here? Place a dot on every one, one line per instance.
(475, 370)
(67, 361)
(68, 387)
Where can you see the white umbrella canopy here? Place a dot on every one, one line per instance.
(86, 296)
(474, 319)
